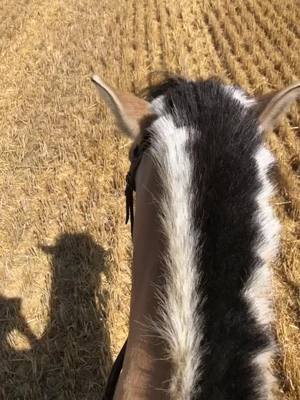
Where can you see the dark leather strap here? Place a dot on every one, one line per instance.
(118, 364)
(114, 375)
(130, 188)
(130, 183)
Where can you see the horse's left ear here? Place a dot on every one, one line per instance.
(273, 106)
(129, 110)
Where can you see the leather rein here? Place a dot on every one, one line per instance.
(129, 189)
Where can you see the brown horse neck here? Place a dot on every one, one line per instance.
(145, 373)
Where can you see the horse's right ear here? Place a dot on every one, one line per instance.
(130, 111)
(274, 105)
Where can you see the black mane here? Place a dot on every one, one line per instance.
(223, 142)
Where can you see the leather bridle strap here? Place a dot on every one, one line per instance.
(130, 182)
(114, 375)
(118, 364)
(130, 188)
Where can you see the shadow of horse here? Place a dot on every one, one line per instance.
(72, 358)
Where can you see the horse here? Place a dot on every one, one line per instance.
(204, 235)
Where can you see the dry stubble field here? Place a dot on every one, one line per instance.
(64, 249)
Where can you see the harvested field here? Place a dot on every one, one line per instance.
(64, 250)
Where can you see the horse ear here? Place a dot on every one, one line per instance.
(274, 105)
(129, 110)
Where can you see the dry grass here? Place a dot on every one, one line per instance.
(64, 249)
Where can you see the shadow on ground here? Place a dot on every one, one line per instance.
(72, 358)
